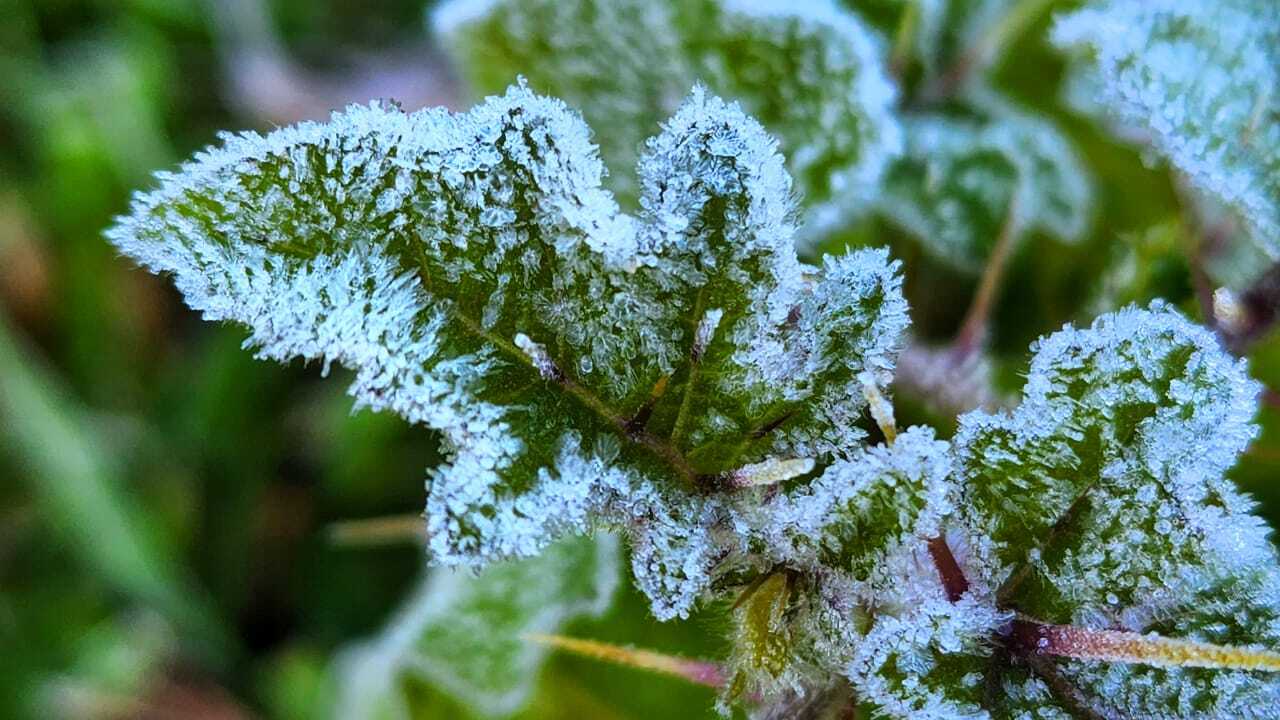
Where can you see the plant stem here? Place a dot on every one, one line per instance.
(973, 331)
(953, 579)
(979, 55)
(1136, 648)
(388, 530)
(698, 672)
(902, 37)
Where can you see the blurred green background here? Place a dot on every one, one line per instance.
(165, 499)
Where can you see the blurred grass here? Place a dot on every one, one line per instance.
(74, 485)
(164, 497)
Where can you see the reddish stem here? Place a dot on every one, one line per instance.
(953, 579)
(973, 330)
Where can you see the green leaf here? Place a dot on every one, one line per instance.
(584, 366)
(810, 72)
(860, 514)
(762, 640)
(985, 28)
(1104, 499)
(1094, 559)
(1198, 82)
(962, 177)
(467, 635)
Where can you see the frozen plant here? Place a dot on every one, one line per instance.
(673, 373)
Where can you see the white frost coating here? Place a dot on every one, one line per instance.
(893, 664)
(1133, 423)
(352, 302)
(1170, 409)
(852, 321)
(463, 633)
(672, 550)
(1202, 79)
(711, 151)
(838, 519)
(715, 211)
(706, 330)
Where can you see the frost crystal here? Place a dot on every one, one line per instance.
(586, 367)
(809, 71)
(1201, 80)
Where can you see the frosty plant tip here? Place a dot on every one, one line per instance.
(677, 375)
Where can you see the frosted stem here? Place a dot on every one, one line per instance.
(698, 672)
(1129, 647)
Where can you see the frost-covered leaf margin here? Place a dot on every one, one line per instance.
(812, 72)
(1201, 80)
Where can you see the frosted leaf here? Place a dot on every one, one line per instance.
(586, 367)
(855, 542)
(949, 33)
(1143, 406)
(464, 634)
(961, 178)
(927, 660)
(1200, 81)
(862, 510)
(810, 71)
(1105, 500)
(851, 322)
(762, 642)
(1099, 502)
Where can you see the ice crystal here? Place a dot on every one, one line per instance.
(809, 71)
(1200, 81)
(585, 366)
